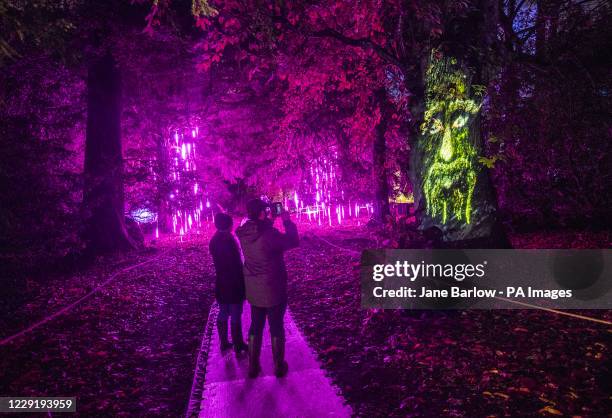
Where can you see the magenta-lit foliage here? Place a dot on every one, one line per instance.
(186, 195)
(270, 107)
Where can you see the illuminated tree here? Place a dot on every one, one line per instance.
(449, 141)
(452, 187)
(322, 60)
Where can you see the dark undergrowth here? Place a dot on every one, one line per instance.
(130, 349)
(455, 363)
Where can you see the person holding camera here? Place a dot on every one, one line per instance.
(266, 280)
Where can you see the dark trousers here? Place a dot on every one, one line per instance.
(233, 311)
(276, 320)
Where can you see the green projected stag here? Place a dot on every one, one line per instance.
(450, 156)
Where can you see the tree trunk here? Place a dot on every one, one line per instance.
(542, 21)
(442, 162)
(381, 206)
(103, 207)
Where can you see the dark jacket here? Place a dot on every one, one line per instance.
(229, 286)
(264, 267)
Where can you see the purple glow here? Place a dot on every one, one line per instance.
(185, 201)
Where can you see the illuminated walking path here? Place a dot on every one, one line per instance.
(304, 392)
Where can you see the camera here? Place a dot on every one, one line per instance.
(276, 208)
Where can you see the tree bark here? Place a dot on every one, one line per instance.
(103, 206)
(542, 20)
(381, 207)
(472, 41)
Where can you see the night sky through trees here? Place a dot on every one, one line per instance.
(125, 126)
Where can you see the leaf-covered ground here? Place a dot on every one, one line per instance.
(461, 363)
(130, 349)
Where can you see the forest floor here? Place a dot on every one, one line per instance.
(131, 347)
(454, 363)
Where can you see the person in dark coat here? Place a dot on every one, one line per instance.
(266, 281)
(229, 284)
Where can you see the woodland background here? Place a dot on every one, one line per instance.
(277, 84)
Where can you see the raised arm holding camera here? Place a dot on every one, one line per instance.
(266, 280)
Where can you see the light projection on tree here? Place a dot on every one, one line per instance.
(450, 158)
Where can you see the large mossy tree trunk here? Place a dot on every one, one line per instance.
(453, 191)
(103, 205)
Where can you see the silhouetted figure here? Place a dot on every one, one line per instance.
(266, 281)
(229, 285)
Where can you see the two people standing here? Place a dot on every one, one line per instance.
(262, 279)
